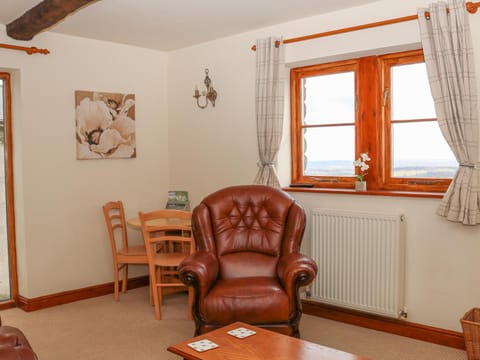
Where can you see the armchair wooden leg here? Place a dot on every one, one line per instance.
(190, 302)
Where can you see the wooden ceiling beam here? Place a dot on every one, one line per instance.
(43, 16)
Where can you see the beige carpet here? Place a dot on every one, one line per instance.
(99, 328)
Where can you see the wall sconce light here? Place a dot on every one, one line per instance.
(210, 94)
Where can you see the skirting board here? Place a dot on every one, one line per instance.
(65, 297)
(8, 304)
(393, 326)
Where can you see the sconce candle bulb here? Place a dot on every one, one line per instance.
(210, 94)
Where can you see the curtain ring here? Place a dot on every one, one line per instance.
(427, 15)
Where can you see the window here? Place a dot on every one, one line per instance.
(377, 104)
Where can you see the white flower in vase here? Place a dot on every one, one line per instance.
(361, 163)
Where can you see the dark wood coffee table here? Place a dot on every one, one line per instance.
(263, 345)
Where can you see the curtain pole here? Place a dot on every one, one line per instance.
(28, 50)
(471, 8)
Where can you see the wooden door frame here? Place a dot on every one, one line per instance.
(12, 253)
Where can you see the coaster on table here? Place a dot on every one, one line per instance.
(241, 332)
(202, 345)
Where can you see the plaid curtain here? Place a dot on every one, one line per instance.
(447, 46)
(269, 93)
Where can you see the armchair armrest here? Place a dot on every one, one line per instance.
(295, 270)
(16, 353)
(199, 270)
(8, 340)
(14, 345)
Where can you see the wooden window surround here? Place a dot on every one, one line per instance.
(372, 127)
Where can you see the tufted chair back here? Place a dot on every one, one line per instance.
(248, 225)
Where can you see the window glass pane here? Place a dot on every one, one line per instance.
(419, 150)
(329, 151)
(411, 96)
(329, 99)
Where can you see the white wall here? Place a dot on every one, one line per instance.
(61, 238)
(62, 242)
(217, 147)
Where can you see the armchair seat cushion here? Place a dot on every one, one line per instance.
(254, 300)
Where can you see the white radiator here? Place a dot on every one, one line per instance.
(360, 259)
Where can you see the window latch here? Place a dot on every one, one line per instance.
(385, 96)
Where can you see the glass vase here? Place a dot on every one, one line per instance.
(360, 186)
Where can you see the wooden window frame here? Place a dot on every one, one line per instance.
(297, 126)
(386, 62)
(372, 117)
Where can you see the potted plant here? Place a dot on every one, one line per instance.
(361, 162)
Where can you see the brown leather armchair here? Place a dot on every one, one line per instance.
(247, 266)
(14, 345)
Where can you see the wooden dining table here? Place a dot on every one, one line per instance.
(134, 222)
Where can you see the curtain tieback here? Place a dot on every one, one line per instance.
(475, 166)
(263, 164)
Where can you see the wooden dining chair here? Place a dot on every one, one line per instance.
(122, 254)
(168, 240)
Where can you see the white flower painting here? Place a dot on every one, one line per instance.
(105, 125)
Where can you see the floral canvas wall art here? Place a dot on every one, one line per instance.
(105, 125)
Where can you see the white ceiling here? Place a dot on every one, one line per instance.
(173, 24)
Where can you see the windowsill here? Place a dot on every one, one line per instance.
(432, 195)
